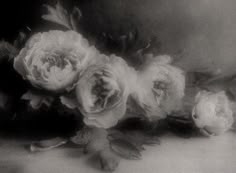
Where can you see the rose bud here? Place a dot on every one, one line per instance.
(212, 113)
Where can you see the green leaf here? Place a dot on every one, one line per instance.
(57, 15)
(125, 149)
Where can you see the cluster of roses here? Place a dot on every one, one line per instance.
(66, 66)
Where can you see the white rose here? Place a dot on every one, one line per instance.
(212, 112)
(161, 87)
(54, 60)
(103, 90)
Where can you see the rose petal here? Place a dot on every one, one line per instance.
(158, 102)
(19, 63)
(108, 118)
(212, 112)
(70, 102)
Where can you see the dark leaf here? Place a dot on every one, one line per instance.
(108, 159)
(49, 144)
(180, 117)
(142, 138)
(115, 134)
(82, 137)
(94, 139)
(7, 50)
(98, 140)
(181, 126)
(125, 149)
(57, 15)
(20, 40)
(75, 17)
(4, 99)
(36, 100)
(152, 140)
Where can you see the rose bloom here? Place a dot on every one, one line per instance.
(212, 112)
(54, 60)
(103, 90)
(161, 87)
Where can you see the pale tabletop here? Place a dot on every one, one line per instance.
(174, 155)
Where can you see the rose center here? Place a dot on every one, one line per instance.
(159, 88)
(60, 60)
(106, 93)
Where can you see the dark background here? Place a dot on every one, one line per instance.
(16, 15)
(98, 16)
(202, 33)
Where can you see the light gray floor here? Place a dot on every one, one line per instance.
(174, 155)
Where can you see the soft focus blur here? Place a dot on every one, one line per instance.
(202, 34)
(199, 34)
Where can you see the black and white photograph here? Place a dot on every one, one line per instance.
(123, 86)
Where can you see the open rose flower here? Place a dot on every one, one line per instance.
(102, 92)
(212, 113)
(161, 87)
(54, 60)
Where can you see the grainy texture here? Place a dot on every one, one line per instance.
(195, 155)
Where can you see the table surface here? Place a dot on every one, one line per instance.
(174, 155)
